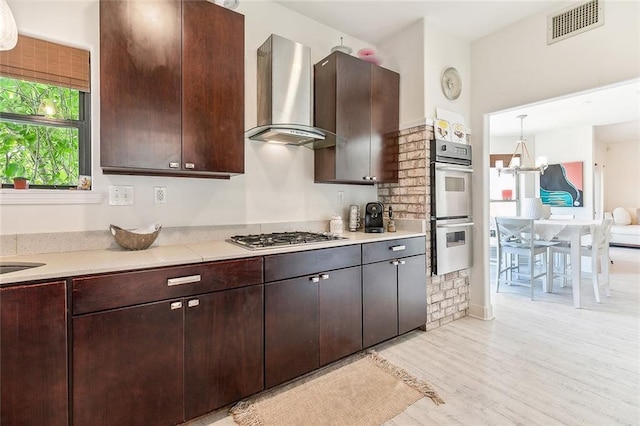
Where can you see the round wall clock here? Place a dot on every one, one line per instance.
(451, 83)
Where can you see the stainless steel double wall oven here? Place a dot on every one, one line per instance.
(451, 223)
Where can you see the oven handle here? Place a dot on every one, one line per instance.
(455, 225)
(454, 169)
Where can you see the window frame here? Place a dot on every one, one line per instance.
(83, 124)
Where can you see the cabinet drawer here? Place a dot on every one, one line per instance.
(289, 265)
(96, 293)
(393, 249)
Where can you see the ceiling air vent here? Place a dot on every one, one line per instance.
(574, 20)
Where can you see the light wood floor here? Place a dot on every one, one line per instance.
(539, 362)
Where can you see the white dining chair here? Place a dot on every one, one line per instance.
(598, 250)
(516, 237)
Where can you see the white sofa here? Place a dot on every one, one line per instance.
(625, 230)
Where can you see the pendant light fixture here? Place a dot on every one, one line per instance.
(521, 159)
(8, 28)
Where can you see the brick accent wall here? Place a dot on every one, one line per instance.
(447, 295)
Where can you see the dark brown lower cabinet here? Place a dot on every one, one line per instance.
(379, 302)
(394, 298)
(291, 329)
(223, 348)
(128, 366)
(412, 294)
(340, 314)
(33, 355)
(311, 321)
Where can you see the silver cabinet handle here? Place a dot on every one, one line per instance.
(183, 280)
(189, 166)
(324, 276)
(174, 165)
(374, 178)
(193, 302)
(176, 305)
(394, 263)
(397, 248)
(315, 279)
(402, 262)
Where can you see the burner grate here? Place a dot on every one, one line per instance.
(276, 239)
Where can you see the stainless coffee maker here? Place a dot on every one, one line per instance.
(373, 218)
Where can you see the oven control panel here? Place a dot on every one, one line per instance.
(450, 152)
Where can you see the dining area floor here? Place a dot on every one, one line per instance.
(540, 362)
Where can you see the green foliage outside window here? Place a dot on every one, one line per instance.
(39, 137)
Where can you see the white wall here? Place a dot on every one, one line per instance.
(278, 183)
(404, 53)
(569, 145)
(513, 67)
(622, 175)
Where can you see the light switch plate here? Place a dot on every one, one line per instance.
(120, 195)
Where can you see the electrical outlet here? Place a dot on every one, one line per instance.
(160, 194)
(340, 197)
(121, 195)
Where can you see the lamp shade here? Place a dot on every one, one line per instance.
(531, 208)
(8, 28)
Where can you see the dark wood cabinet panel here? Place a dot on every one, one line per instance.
(128, 366)
(393, 249)
(95, 293)
(379, 302)
(359, 102)
(385, 119)
(172, 88)
(33, 355)
(412, 293)
(223, 348)
(140, 75)
(212, 88)
(291, 329)
(290, 265)
(340, 314)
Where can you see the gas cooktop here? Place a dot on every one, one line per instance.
(278, 239)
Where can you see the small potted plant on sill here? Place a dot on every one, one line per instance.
(20, 182)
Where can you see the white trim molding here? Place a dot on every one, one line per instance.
(48, 196)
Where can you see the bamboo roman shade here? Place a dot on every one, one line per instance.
(45, 62)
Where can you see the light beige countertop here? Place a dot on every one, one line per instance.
(76, 263)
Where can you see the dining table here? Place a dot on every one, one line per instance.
(571, 230)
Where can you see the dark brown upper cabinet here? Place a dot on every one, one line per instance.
(171, 88)
(359, 102)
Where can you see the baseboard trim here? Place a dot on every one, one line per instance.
(481, 312)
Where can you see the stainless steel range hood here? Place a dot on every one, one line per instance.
(284, 94)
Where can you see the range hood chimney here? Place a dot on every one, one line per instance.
(284, 94)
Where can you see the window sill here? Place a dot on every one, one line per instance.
(48, 196)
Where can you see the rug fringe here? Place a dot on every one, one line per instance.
(244, 414)
(407, 378)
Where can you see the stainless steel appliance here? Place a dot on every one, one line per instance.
(277, 239)
(373, 220)
(451, 224)
(284, 94)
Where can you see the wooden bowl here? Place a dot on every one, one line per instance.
(132, 240)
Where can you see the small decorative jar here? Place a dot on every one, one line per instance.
(336, 225)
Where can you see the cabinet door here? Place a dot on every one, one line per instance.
(140, 75)
(385, 122)
(223, 348)
(33, 355)
(291, 329)
(212, 88)
(353, 118)
(340, 314)
(412, 293)
(128, 366)
(379, 302)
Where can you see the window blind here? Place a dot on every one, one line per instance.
(46, 62)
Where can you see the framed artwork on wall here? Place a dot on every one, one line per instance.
(561, 185)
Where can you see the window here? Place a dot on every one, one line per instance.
(44, 114)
